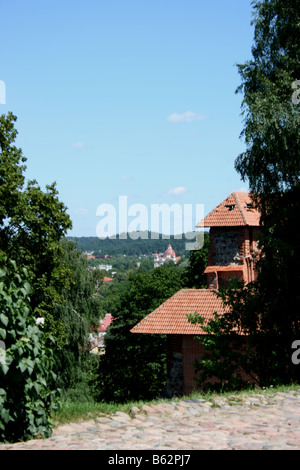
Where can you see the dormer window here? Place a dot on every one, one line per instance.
(230, 206)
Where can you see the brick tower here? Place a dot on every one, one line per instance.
(234, 226)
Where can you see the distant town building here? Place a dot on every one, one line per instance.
(90, 255)
(104, 267)
(96, 337)
(168, 255)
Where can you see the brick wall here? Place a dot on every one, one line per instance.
(232, 246)
(183, 350)
(225, 276)
(226, 245)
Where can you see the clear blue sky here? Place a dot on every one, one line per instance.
(128, 98)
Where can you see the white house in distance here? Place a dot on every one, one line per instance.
(168, 255)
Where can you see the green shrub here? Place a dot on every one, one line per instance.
(26, 362)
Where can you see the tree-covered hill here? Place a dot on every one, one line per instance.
(132, 245)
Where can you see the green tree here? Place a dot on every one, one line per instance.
(80, 310)
(194, 273)
(133, 366)
(32, 223)
(11, 173)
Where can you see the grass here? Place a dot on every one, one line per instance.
(72, 411)
(77, 411)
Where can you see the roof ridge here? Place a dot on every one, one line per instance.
(237, 202)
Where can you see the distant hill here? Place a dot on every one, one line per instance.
(132, 245)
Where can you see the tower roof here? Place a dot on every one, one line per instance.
(235, 210)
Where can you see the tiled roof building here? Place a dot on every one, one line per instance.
(168, 255)
(234, 225)
(96, 337)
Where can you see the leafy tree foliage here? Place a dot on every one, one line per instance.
(11, 172)
(133, 366)
(132, 246)
(79, 312)
(27, 395)
(197, 261)
(32, 223)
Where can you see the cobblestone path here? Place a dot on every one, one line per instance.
(241, 422)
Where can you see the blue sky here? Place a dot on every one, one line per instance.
(128, 98)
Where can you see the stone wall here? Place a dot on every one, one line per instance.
(226, 246)
(175, 382)
(182, 351)
(192, 350)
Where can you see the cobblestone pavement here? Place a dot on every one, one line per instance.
(241, 422)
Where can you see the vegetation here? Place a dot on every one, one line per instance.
(33, 225)
(27, 393)
(80, 310)
(132, 246)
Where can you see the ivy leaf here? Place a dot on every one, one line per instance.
(4, 367)
(2, 333)
(22, 366)
(4, 319)
(37, 387)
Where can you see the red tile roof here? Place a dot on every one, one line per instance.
(212, 269)
(235, 210)
(171, 316)
(104, 323)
